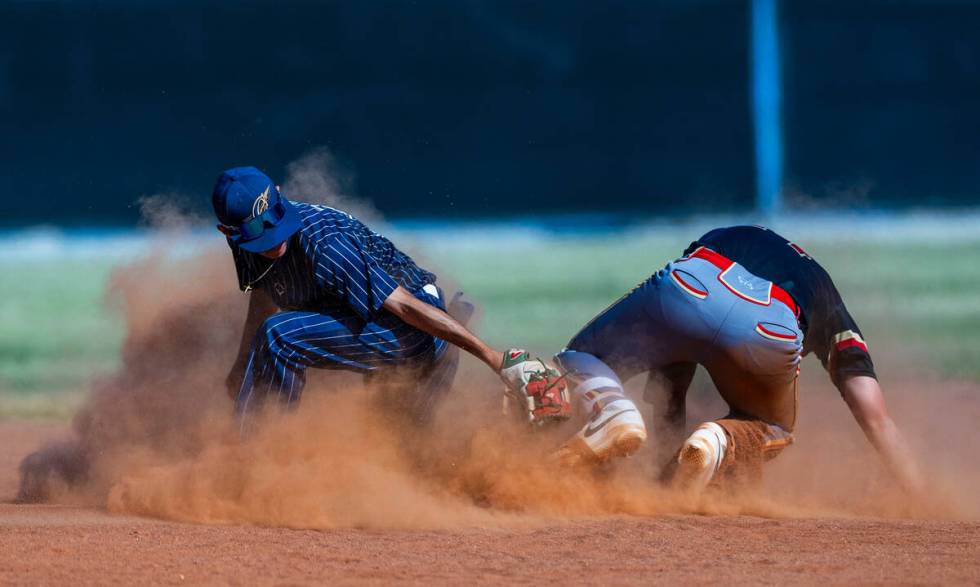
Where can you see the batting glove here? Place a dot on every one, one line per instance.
(537, 391)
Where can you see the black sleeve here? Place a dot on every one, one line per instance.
(705, 238)
(836, 339)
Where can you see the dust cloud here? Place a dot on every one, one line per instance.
(159, 437)
(319, 178)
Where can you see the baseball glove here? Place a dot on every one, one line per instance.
(536, 392)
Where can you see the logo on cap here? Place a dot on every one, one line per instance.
(261, 203)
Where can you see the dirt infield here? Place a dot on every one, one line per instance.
(163, 488)
(57, 544)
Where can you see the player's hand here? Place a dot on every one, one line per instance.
(537, 391)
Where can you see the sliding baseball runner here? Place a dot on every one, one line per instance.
(746, 304)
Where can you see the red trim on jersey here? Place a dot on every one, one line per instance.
(852, 342)
(849, 338)
(799, 250)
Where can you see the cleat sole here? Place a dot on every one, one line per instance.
(691, 464)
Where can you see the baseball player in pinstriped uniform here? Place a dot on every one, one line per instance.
(746, 304)
(327, 292)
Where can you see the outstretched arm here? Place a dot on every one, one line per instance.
(260, 307)
(864, 398)
(434, 321)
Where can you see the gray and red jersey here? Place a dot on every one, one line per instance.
(829, 330)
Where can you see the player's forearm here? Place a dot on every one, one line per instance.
(891, 445)
(434, 321)
(260, 307)
(864, 398)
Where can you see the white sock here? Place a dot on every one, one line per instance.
(596, 392)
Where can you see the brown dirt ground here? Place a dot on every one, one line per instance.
(56, 544)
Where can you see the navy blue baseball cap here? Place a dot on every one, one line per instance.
(252, 213)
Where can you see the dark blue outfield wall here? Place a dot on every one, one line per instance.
(452, 108)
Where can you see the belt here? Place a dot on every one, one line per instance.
(722, 262)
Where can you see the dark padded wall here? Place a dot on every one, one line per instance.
(451, 108)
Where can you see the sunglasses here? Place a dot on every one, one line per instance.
(256, 225)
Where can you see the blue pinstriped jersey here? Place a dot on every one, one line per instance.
(333, 261)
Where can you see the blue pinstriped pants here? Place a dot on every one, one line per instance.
(289, 342)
